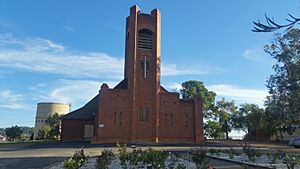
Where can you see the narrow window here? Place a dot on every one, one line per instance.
(166, 120)
(171, 120)
(186, 121)
(115, 119)
(121, 118)
(141, 114)
(146, 114)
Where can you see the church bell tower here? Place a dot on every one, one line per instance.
(142, 70)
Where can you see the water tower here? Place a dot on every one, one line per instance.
(45, 110)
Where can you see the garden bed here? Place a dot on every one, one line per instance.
(150, 158)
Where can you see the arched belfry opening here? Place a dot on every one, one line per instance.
(145, 39)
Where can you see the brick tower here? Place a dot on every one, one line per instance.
(138, 109)
(142, 69)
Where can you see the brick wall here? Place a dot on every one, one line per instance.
(73, 130)
(114, 116)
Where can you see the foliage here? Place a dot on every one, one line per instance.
(152, 157)
(231, 152)
(291, 161)
(105, 159)
(43, 133)
(27, 130)
(213, 129)
(76, 161)
(174, 157)
(272, 157)
(155, 158)
(137, 157)
(123, 156)
(200, 159)
(180, 166)
(251, 153)
(282, 104)
(24, 137)
(52, 128)
(13, 132)
(249, 118)
(214, 151)
(71, 164)
(193, 88)
(54, 122)
(224, 111)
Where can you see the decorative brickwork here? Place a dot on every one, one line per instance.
(138, 109)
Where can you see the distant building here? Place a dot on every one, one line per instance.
(45, 110)
(138, 109)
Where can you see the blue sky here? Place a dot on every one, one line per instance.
(62, 51)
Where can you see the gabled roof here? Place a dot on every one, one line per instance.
(122, 85)
(88, 111)
(163, 89)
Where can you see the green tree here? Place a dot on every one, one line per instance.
(13, 132)
(283, 102)
(213, 129)
(193, 88)
(43, 133)
(224, 111)
(249, 118)
(54, 122)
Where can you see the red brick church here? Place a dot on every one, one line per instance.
(138, 109)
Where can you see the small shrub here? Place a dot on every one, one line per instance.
(71, 164)
(79, 156)
(76, 161)
(136, 157)
(155, 158)
(200, 159)
(123, 156)
(174, 157)
(180, 166)
(274, 158)
(291, 161)
(251, 153)
(105, 159)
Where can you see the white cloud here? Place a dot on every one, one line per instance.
(258, 55)
(240, 95)
(200, 69)
(173, 86)
(76, 92)
(11, 100)
(42, 55)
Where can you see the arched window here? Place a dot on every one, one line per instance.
(145, 39)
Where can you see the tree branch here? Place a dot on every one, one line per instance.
(272, 26)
